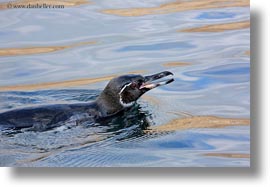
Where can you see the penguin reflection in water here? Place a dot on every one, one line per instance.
(120, 95)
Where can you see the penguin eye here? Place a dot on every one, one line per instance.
(133, 85)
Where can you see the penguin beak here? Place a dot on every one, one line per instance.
(153, 81)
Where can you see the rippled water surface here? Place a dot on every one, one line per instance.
(50, 56)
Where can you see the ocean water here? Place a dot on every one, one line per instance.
(54, 46)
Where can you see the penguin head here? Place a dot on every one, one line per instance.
(123, 91)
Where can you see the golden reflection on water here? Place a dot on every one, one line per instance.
(228, 155)
(220, 27)
(177, 6)
(199, 122)
(67, 83)
(66, 3)
(176, 64)
(153, 100)
(247, 53)
(38, 50)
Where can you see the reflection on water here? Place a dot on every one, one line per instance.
(36, 50)
(177, 6)
(175, 125)
(228, 155)
(175, 64)
(220, 27)
(199, 122)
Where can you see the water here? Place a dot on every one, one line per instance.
(215, 81)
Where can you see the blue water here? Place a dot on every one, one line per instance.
(216, 83)
(216, 15)
(158, 46)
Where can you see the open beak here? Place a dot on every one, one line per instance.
(153, 81)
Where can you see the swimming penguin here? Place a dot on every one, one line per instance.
(120, 94)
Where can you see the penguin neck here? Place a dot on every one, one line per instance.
(108, 104)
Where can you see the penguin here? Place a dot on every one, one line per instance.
(121, 93)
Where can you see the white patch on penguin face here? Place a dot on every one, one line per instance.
(121, 100)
